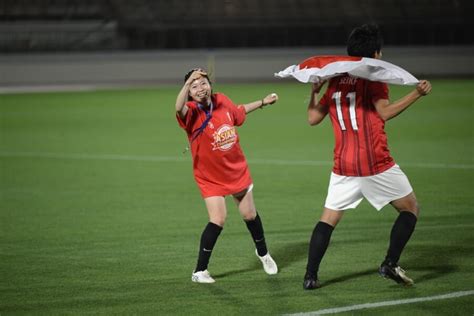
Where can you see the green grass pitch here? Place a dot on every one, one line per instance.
(99, 212)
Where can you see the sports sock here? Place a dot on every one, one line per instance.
(255, 228)
(401, 232)
(208, 240)
(317, 247)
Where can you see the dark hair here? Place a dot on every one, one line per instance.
(365, 41)
(188, 74)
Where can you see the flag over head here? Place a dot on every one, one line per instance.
(318, 68)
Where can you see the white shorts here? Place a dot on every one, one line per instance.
(347, 192)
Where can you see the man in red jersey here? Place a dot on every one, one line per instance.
(363, 167)
(219, 165)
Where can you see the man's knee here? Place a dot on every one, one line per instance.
(414, 208)
(408, 204)
(331, 217)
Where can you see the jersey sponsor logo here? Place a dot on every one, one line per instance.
(224, 138)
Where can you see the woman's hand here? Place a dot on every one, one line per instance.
(196, 74)
(270, 99)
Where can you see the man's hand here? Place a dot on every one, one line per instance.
(316, 87)
(423, 87)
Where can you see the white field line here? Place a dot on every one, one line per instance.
(385, 303)
(184, 158)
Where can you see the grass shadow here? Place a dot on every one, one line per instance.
(434, 271)
(347, 277)
(418, 259)
(289, 253)
(284, 256)
(232, 272)
(435, 261)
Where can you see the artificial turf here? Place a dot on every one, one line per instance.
(99, 212)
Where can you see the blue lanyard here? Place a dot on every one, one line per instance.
(201, 128)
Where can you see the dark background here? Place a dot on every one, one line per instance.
(111, 25)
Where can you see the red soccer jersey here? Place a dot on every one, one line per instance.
(361, 143)
(219, 164)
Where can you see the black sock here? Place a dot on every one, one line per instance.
(317, 247)
(255, 228)
(401, 233)
(208, 240)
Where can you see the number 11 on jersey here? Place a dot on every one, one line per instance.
(351, 98)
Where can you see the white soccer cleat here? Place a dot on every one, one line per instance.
(269, 265)
(404, 277)
(202, 277)
(393, 271)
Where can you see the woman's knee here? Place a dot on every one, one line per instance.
(249, 215)
(216, 210)
(247, 207)
(218, 220)
(218, 216)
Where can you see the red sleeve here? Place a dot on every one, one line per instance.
(378, 91)
(187, 122)
(240, 115)
(238, 112)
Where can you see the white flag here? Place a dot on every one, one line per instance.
(319, 68)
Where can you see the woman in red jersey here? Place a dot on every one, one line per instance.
(219, 165)
(363, 166)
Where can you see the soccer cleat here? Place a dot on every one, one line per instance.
(202, 277)
(311, 283)
(392, 271)
(269, 265)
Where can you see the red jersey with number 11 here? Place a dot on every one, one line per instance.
(361, 143)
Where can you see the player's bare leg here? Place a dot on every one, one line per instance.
(331, 217)
(245, 203)
(216, 209)
(408, 203)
